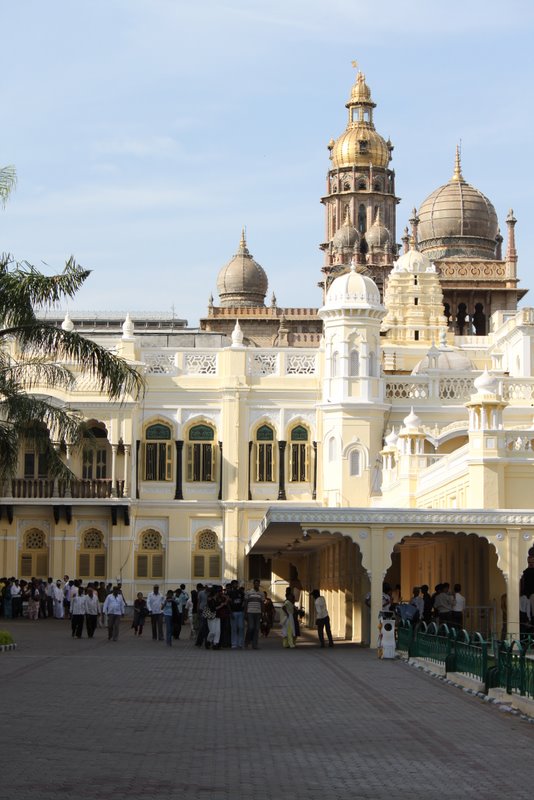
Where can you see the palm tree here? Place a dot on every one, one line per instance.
(36, 356)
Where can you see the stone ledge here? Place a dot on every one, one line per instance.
(523, 704)
(429, 666)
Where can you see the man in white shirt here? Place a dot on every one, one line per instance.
(321, 618)
(459, 606)
(77, 613)
(91, 611)
(114, 607)
(154, 603)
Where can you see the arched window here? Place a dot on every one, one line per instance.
(354, 363)
(95, 453)
(92, 557)
(158, 452)
(354, 463)
(334, 363)
(264, 454)
(298, 454)
(362, 219)
(206, 556)
(149, 560)
(34, 555)
(201, 454)
(332, 449)
(372, 364)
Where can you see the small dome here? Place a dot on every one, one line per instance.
(128, 328)
(353, 290)
(412, 421)
(486, 383)
(392, 438)
(458, 220)
(413, 261)
(242, 282)
(447, 360)
(346, 237)
(67, 324)
(377, 235)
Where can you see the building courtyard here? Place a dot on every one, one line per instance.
(136, 719)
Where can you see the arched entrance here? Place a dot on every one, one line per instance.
(456, 557)
(316, 559)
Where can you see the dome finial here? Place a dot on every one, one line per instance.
(243, 240)
(457, 175)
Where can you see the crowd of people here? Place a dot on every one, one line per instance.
(443, 606)
(219, 616)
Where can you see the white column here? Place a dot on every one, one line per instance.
(126, 489)
(114, 470)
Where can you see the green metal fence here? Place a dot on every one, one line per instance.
(471, 655)
(433, 643)
(514, 671)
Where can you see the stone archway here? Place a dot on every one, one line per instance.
(327, 560)
(457, 557)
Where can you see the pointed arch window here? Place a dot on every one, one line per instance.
(354, 463)
(299, 454)
(362, 219)
(332, 449)
(149, 562)
(372, 364)
(201, 454)
(95, 453)
(158, 452)
(34, 555)
(354, 363)
(334, 364)
(92, 557)
(264, 460)
(206, 556)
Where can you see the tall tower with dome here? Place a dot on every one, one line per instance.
(360, 201)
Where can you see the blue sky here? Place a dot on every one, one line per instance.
(145, 133)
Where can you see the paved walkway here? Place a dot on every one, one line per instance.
(136, 719)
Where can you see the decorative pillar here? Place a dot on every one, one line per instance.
(126, 487)
(249, 469)
(137, 447)
(282, 470)
(314, 490)
(68, 449)
(114, 448)
(219, 496)
(178, 494)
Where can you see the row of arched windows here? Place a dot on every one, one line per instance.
(200, 453)
(354, 364)
(149, 557)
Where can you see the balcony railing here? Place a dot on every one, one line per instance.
(39, 488)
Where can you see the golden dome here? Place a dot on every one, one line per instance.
(360, 93)
(457, 220)
(360, 145)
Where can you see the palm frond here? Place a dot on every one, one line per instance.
(8, 181)
(35, 372)
(23, 287)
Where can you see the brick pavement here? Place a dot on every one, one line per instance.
(136, 719)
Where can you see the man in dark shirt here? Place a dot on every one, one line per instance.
(236, 597)
(253, 607)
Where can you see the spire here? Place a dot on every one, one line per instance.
(406, 240)
(243, 241)
(511, 252)
(457, 174)
(414, 222)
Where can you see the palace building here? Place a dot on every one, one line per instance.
(386, 435)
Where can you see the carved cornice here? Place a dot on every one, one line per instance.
(400, 517)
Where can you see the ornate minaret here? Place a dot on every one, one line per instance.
(360, 191)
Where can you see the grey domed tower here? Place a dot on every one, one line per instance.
(457, 228)
(242, 282)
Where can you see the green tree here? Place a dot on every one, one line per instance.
(36, 356)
